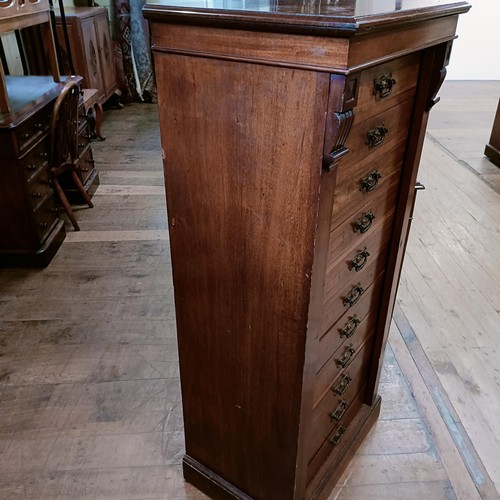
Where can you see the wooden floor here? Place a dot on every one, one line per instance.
(89, 388)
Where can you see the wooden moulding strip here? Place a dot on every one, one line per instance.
(209, 482)
(300, 51)
(372, 48)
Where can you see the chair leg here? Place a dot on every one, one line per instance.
(65, 203)
(80, 187)
(98, 120)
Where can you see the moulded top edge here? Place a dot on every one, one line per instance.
(340, 17)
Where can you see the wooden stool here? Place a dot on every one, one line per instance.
(91, 101)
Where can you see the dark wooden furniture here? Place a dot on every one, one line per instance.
(492, 149)
(292, 135)
(93, 106)
(63, 157)
(30, 228)
(91, 48)
(18, 14)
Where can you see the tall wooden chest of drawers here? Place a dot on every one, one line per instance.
(291, 137)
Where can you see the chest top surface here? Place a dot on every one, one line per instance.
(334, 17)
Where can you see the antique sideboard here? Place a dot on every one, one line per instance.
(91, 48)
(291, 136)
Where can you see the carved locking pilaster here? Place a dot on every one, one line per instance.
(341, 102)
(441, 58)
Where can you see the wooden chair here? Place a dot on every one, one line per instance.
(64, 145)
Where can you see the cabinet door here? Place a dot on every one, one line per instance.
(106, 58)
(89, 36)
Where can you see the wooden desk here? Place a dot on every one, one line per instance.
(291, 135)
(492, 150)
(30, 228)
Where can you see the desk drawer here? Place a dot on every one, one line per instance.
(39, 188)
(86, 164)
(46, 216)
(36, 159)
(32, 130)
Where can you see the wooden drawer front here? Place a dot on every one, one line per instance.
(39, 188)
(349, 293)
(385, 85)
(36, 159)
(83, 140)
(358, 184)
(333, 443)
(348, 329)
(352, 264)
(86, 164)
(32, 130)
(45, 217)
(395, 121)
(368, 304)
(336, 402)
(348, 235)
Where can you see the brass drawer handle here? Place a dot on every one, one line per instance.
(43, 224)
(364, 222)
(346, 358)
(338, 413)
(25, 135)
(39, 126)
(370, 182)
(44, 155)
(350, 327)
(383, 85)
(36, 195)
(335, 439)
(354, 295)
(343, 385)
(376, 136)
(360, 260)
(81, 144)
(31, 167)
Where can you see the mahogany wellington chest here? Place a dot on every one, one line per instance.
(291, 135)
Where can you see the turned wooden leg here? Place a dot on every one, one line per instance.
(98, 120)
